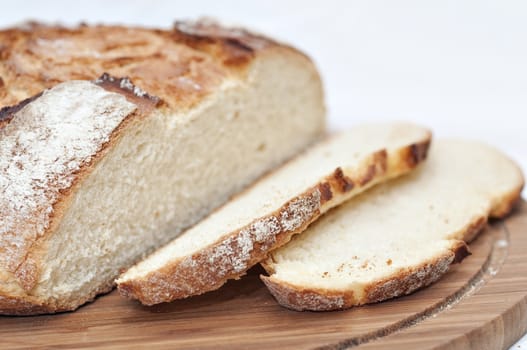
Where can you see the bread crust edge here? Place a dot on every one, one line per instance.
(28, 305)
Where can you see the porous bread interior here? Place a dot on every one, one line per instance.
(399, 224)
(168, 171)
(348, 149)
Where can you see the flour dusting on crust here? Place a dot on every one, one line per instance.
(235, 254)
(41, 149)
(299, 210)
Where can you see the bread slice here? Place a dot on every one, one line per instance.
(398, 237)
(96, 173)
(241, 233)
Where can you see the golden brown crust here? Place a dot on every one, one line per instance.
(180, 66)
(505, 206)
(211, 267)
(501, 207)
(20, 306)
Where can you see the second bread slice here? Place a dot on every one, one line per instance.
(240, 234)
(398, 237)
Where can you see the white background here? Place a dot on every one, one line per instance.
(459, 67)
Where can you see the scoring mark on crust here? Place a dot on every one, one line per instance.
(235, 46)
(133, 93)
(7, 113)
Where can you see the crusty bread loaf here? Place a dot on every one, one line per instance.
(398, 237)
(96, 173)
(264, 217)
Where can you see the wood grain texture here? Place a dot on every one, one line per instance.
(479, 304)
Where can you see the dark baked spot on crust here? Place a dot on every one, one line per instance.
(325, 192)
(418, 153)
(344, 183)
(7, 113)
(210, 30)
(236, 53)
(379, 166)
(381, 159)
(461, 251)
(370, 173)
(235, 46)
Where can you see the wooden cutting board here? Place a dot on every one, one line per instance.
(479, 304)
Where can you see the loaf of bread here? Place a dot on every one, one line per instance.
(113, 140)
(399, 236)
(240, 234)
